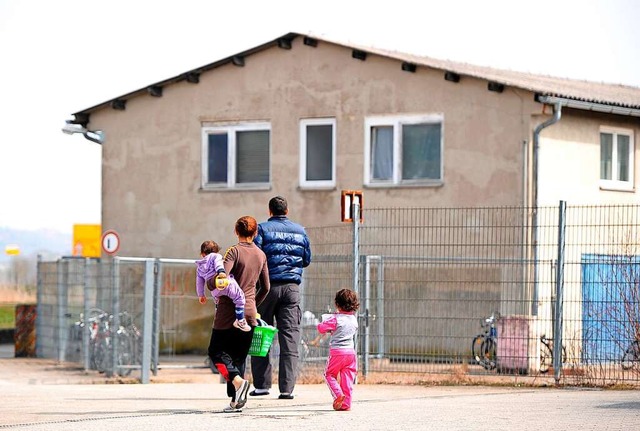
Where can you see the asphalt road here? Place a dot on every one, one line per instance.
(42, 395)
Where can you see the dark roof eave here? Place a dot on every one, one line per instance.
(81, 115)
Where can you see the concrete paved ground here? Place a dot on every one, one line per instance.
(38, 394)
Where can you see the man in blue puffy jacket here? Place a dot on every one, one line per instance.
(287, 248)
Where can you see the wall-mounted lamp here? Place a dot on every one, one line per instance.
(96, 136)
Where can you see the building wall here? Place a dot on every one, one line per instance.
(152, 155)
(570, 171)
(570, 160)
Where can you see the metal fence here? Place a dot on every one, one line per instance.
(562, 284)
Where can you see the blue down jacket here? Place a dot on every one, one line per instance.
(287, 248)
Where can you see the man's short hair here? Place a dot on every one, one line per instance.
(278, 206)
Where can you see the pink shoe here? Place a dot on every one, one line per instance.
(337, 403)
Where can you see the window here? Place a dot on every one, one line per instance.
(236, 156)
(317, 153)
(403, 150)
(616, 159)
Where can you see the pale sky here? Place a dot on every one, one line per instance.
(59, 57)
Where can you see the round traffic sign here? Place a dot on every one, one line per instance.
(110, 241)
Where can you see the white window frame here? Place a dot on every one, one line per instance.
(324, 184)
(397, 121)
(617, 184)
(231, 130)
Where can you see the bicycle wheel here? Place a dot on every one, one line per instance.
(489, 351)
(484, 351)
(631, 356)
(126, 353)
(476, 348)
(546, 358)
(101, 355)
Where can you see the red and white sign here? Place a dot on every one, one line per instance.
(110, 242)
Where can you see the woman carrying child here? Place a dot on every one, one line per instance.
(229, 345)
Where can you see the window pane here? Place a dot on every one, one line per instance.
(319, 152)
(218, 154)
(382, 153)
(421, 151)
(606, 154)
(252, 156)
(623, 158)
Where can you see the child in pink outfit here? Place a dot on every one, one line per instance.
(342, 367)
(211, 266)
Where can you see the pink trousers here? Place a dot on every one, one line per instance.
(340, 374)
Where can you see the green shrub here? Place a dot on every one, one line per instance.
(7, 316)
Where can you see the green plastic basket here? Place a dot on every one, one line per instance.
(262, 339)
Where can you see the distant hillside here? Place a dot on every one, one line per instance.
(49, 243)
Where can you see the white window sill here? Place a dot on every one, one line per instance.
(235, 189)
(404, 185)
(309, 188)
(616, 186)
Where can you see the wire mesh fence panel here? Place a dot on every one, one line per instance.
(473, 292)
(94, 311)
(602, 294)
(432, 275)
(47, 319)
(331, 270)
(184, 324)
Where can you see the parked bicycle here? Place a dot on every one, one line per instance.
(631, 356)
(101, 341)
(484, 344)
(546, 354)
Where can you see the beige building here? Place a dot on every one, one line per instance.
(305, 118)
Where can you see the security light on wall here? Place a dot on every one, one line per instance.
(96, 136)
(70, 129)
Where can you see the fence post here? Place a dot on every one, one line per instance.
(557, 328)
(367, 305)
(86, 329)
(63, 274)
(115, 324)
(39, 307)
(155, 339)
(147, 326)
(355, 205)
(356, 245)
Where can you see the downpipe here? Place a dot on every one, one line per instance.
(557, 114)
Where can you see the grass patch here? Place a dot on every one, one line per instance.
(7, 316)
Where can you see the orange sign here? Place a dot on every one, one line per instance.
(86, 240)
